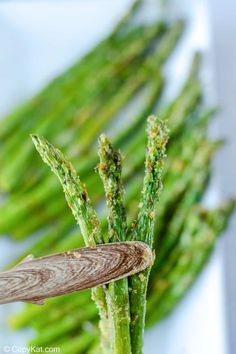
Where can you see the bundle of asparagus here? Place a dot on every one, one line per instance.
(121, 306)
(132, 60)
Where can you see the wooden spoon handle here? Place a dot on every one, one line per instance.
(34, 280)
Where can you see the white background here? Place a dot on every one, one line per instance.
(38, 40)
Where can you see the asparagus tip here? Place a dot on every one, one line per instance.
(108, 156)
(157, 130)
(39, 141)
(52, 156)
(103, 140)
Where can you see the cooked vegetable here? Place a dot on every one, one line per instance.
(124, 332)
(72, 111)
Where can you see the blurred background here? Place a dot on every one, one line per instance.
(40, 40)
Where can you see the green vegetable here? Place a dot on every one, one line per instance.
(78, 200)
(126, 325)
(143, 229)
(117, 292)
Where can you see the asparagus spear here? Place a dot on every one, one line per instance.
(83, 212)
(144, 228)
(117, 295)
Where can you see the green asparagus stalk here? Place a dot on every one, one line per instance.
(23, 158)
(117, 295)
(73, 188)
(144, 227)
(83, 212)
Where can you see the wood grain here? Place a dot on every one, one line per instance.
(34, 280)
